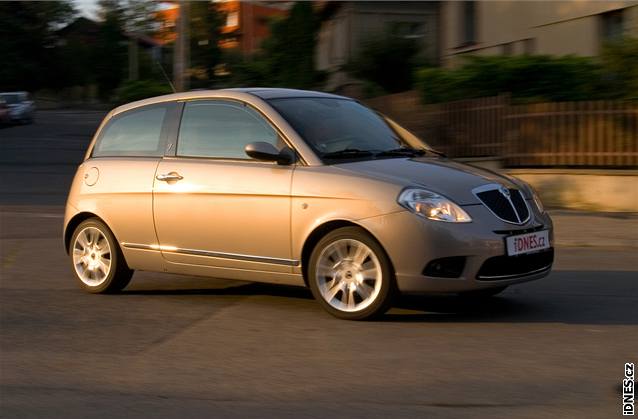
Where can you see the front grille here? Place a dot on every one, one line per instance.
(519, 204)
(507, 267)
(507, 204)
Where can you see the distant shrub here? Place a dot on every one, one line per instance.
(439, 85)
(620, 61)
(130, 91)
(524, 77)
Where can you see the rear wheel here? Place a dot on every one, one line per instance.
(350, 275)
(97, 259)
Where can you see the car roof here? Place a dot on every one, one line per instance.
(243, 93)
(277, 93)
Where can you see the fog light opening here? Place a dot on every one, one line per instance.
(449, 267)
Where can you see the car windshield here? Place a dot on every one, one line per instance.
(341, 129)
(10, 98)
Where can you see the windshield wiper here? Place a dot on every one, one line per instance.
(347, 153)
(436, 152)
(407, 151)
(402, 151)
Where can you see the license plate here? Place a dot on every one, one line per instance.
(527, 243)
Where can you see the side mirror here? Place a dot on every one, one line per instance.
(260, 150)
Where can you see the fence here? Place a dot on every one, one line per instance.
(567, 134)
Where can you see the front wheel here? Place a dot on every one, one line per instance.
(96, 258)
(350, 275)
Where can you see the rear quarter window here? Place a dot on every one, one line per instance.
(136, 133)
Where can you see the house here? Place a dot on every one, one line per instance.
(166, 18)
(533, 27)
(81, 30)
(248, 23)
(246, 26)
(345, 26)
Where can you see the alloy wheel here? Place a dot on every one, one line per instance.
(349, 275)
(91, 256)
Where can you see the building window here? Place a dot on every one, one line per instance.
(611, 25)
(468, 23)
(232, 19)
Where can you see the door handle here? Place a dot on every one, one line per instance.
(169, 177)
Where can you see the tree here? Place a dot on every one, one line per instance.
(290, 50)
(287, 56)
(387, 61)
(28, 42)
(110, 59)
(205, 23)
(139, 16)
(74, 55)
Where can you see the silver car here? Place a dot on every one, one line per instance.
(295, 187)
(21, 107)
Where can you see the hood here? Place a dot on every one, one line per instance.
(449, 178)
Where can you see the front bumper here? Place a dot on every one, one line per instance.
(412, 242)
(19, 115)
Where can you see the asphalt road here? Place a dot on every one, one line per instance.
(183, 347)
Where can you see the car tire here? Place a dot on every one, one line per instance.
(96, 258)
(482, 293)
(350, 275)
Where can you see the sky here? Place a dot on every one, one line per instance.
(87, 8)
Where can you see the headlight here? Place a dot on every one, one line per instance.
(537, 200)
(432, 206)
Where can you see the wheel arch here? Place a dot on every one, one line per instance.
(321, 231)
(75, 221)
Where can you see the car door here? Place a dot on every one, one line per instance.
(117, 178)
(215, 206)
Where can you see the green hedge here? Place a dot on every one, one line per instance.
(130, 91)
(614, 75)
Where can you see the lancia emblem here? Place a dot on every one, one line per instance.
(504, 191)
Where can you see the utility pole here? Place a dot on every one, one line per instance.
(133, 65)
(182, 46)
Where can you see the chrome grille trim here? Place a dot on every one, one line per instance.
(514, 276)
(497, 187)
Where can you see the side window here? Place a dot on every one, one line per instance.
(221, 129)
(134, 133)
